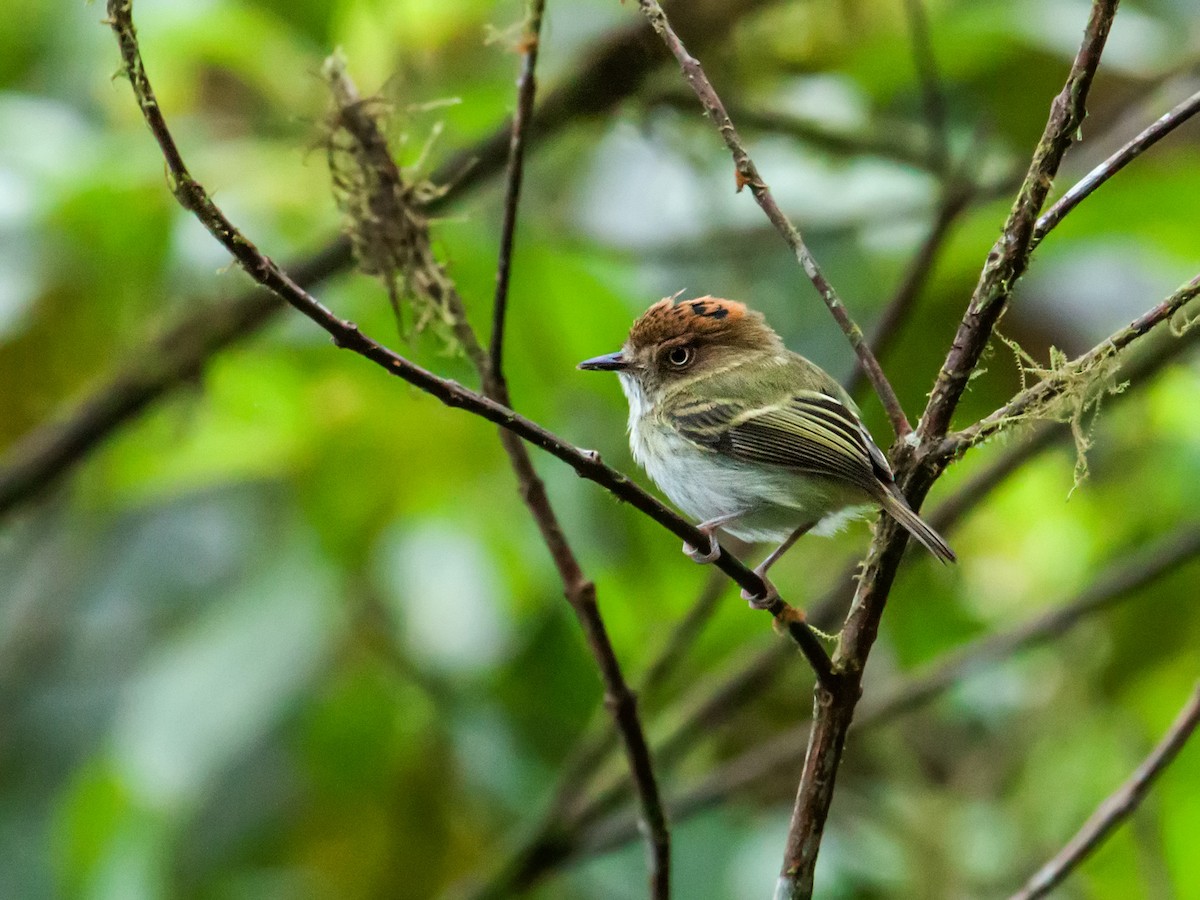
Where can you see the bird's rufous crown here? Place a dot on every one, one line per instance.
(710, 319)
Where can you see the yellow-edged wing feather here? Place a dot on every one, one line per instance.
(808, 431)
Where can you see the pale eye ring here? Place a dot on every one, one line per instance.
(680, 356)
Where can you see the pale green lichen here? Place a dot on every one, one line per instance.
(1071, 392)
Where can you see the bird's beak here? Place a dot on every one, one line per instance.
(609, 362)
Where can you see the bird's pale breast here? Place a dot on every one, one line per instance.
(772, 501)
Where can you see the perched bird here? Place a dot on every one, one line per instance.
(747, 436)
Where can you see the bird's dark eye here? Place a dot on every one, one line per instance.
(680, 356)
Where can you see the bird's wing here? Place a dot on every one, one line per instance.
(808, 431)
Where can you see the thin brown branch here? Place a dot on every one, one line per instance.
(1118, 807)
(526, 89)
(611, 70)
(837, 699)
(346, 335)
(1132, 149)
(192, 196)
(591, 752)
(748, 176)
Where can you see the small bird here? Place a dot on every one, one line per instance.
(747, 436)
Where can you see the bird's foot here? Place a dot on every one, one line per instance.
(704, 557)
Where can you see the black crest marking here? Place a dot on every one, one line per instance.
(710, 310)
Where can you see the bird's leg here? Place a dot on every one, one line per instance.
(764, 601)
(707, 529)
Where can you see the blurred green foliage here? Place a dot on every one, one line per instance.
(291, 633)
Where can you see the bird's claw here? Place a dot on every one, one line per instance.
(764, 600)
(703, 557)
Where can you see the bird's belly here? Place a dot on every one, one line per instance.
(772, 502)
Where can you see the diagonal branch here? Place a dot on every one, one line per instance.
(553, 840)
(748, 176)
(613, 69)
(192, 196)
(1118, 807)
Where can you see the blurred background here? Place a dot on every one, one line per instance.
(288, 631)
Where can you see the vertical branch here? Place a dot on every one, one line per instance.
(526, 89)
(1118, 807)
(747, 176)
(554, 839)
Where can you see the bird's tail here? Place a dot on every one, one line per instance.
(897, 507)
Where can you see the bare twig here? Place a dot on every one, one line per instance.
(526, 88)
(193, 197)
(1114, 164)
(1118, 807)
(834, 705)
(685, 632)
(346, 335)
(748, 176)
(610, 71)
